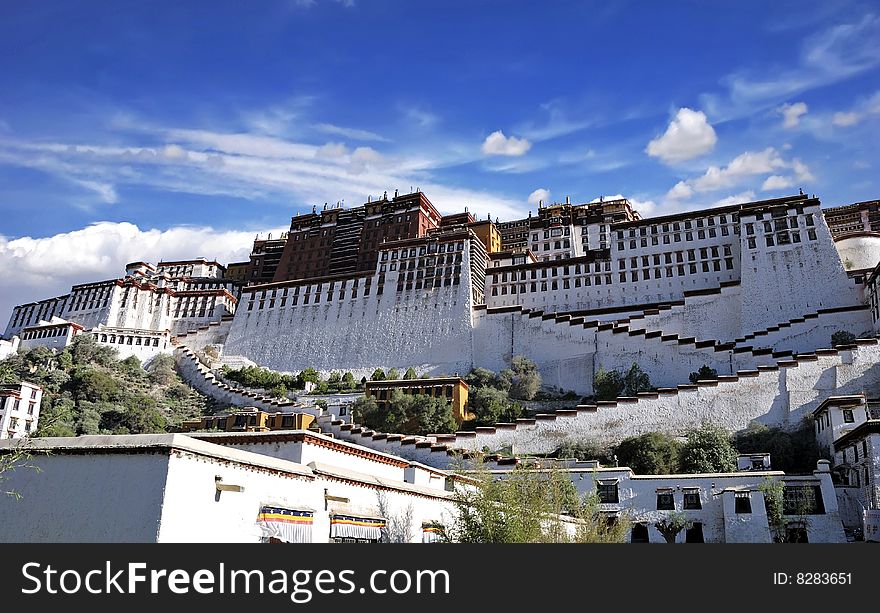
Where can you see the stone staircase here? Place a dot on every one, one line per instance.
(201, 378)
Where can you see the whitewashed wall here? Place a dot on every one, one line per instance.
(780, 283)
(431, 330)
(108, 498)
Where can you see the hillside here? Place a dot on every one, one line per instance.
(88, 390)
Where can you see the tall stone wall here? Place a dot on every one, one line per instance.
(429, 330)
(781, 282)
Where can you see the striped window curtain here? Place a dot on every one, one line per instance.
(286, 525)
(350, 526)
(431, 531)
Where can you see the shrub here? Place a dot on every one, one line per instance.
(523, 377)
(608, 384)
(491, 405)
(842, 337)
(708, 450)
(406, 414)
(704, 373)
(653, 453)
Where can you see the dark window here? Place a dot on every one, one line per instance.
(608, 493)
(665, 501)
(848, 416)
(692, 500)
(639, 533)
(694, 534)
(743, 502)
(802, 500)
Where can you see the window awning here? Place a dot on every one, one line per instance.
(287, 525)
(431, 532)
(351, 526)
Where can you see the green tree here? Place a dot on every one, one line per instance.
(161, 370)
(279, 391)
(95, 385)
(523, 377)
(309, 375)
(410, 373)
(348, 382)
(393, 374)
(671, 524)
(607, 384)
(773, 489)
(636, 380)
(428, 415)
(653, 453)
(704, 373)
(481, 377)
(131, 367)
(527, 506)
(586, 449)
(792, 452)
(708, 450)
(491, 405)
(378, 375)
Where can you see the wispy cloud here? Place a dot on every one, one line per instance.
(832, 55)
(419, 117)
(555, 122)
(352, 133)
(246, 165)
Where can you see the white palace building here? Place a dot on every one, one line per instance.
(754, 291)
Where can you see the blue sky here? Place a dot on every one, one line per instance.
(141, 130)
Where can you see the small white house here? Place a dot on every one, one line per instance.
(175, 488)
(720, 507)
(56, 333)
(19, 409)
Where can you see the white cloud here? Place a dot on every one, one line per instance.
(746, 196)
(498, 144)
(365, 158)
(36, 268)
(174, 152)
(680, 191)
(352, 133)
(792, 114)
(331, 151)
(741, 168)
(801, 171)
(846, 119)
(688, 135)
(775, 182)
(538, 195)
(744, 165)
